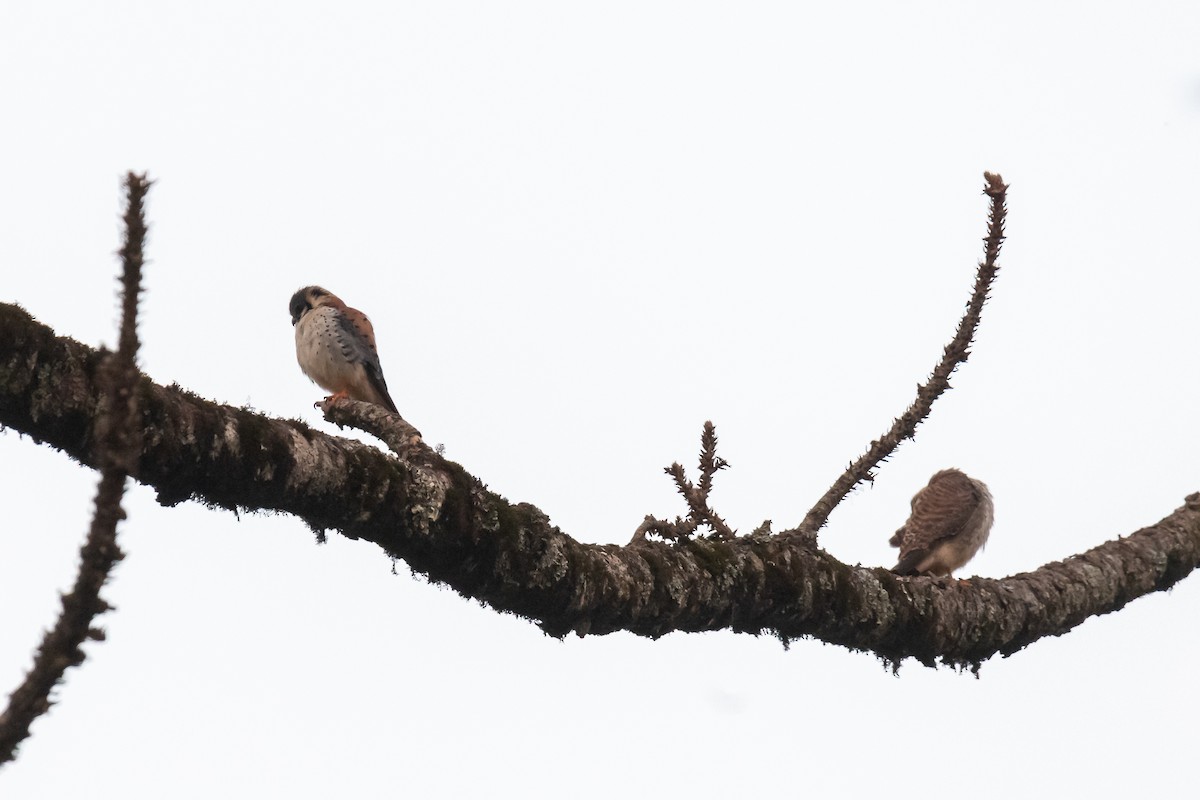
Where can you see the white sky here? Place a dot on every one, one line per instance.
(580, 232)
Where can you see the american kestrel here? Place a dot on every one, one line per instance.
(335, 345)
(951, 518)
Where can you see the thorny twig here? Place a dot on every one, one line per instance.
(117, 434)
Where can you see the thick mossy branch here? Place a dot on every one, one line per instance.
(443, 522)
(955, 353)
(117, 436)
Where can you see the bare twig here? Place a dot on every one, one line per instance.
(119, 447)
(955, 353)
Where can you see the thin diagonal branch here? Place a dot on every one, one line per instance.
(956, 352)
(118, 449)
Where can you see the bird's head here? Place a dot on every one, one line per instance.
(311, 297)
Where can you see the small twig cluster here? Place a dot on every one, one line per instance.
(696, 496)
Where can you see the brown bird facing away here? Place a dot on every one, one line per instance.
(335, 345)
(950, 521)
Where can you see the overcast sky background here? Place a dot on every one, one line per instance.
(581, 231)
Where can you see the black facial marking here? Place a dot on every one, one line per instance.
(298, 305)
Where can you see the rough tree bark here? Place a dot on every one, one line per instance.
(443, 522)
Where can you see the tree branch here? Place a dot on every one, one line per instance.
(442, 521)
(955, 353)
(118, 444)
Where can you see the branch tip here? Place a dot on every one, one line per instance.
(393, 430)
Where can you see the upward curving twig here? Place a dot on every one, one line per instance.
(118, 448)
(956, 352)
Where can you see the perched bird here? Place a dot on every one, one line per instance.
(951, 518)
(335, 346)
